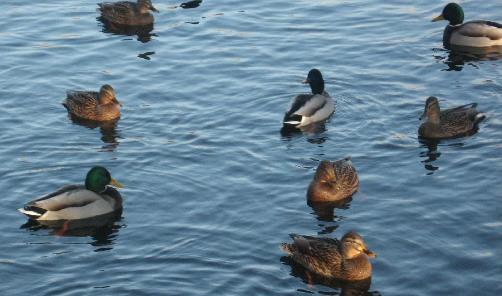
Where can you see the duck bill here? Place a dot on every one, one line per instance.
(438, 18)
(370, 254)
(116, 183)
(306, 81)
(153, 9)
(422, 116)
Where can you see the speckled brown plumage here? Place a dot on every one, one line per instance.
(128, 13)
(346, 259)
(333, 181)
(449, 123)
(91, 105)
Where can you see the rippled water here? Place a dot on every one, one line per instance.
(212, 188)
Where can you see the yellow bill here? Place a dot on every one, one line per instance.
(116, 183)
(438, 18)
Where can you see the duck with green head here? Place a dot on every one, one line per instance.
(128, 13)
(450, 123)
(470, 34)
(74, 202)
(310, 108)
(91, 105)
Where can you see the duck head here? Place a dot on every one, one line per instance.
(98, 177)
(353, 246)
(315, 80)
(326, 173)
(431, 110)
(145, 6)
(107, 95)
(453, 13)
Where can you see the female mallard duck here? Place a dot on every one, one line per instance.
(309, 108)
(74, 202)
(333, 181)
(128, 13)
(91, 105)
(449, 123)
(345, 260)
(470, 34)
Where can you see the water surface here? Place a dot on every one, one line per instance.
(212, 188)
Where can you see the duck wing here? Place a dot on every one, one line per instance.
(68, 197)
(308, 108)
(317, 254)
(476, 29)
(118, 12)
(346, 176)
(460, 119)
(81, 102)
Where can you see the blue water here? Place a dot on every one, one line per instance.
(212, 188)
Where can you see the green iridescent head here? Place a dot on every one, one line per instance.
(98, 178)
(453, 13)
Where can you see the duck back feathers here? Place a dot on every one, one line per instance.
(73, 202)
(128, 13)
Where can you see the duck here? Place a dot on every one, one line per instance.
(91, 105)
(346, 260)
(310, 108)
(333, 181)
(74, 202)
(128, 13)
(470, 34)
(450, 123)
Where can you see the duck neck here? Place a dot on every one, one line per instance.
(434, 117)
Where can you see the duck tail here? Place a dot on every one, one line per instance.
(32, 212)
(286, 248)
(478, 118)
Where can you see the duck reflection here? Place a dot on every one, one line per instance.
(143, 33)
(108, 131)
(313, 132)
(102, 229)
(431, 154)
(346, 288)
(325, 213)
(458, 57)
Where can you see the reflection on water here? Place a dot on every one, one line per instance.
(354, 288)
(191, 4)
(108, 130)
(102, 229)
(142, 32)
(313, 132)
(325, 213)
(457, 58)
(431, 154)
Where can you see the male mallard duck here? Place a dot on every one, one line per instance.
(333, 181)
(73, 202)
(449, 123)
(102, 106)
(345, 260)
(470, 34)
(309, 108)
(128, 13)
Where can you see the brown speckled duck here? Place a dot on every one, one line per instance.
(333, 181)
(450, 123)
(91, 105)
(346, 259)
(128, 13)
